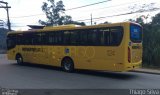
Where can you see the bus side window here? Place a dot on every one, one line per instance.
(19, 39)
(74, 37)
(24, 41)
(83, 37)
(57, 38)
(30, 38)
(66, 37)
(44, 38)
(51, 38)
(104, 36)
(36, 38)
(11, 41)
(116, 36)
(78, 38)
(92, 37)
(60, 37)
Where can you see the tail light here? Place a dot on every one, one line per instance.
(129, 55)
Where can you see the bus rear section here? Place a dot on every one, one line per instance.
(135, 47)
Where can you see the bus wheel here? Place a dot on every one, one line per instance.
(67, 65)
(19, 59)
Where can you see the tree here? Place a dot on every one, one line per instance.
(106, 22)
(156, 19)
(151, 42)
(138, 20)
(142, 8)
(131, 20)
(68, 20)
(55, 14)
(52, 12)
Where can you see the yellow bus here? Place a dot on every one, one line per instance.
(108, 47)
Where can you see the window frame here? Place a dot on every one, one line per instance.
(141, 38)
(13, 43)
(84, 37)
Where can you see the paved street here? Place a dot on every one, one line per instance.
(46, 77)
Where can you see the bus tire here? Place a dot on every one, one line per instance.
(19, 59)
(68, 65)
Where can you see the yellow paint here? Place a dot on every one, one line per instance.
(84, 57)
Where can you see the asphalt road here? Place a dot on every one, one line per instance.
(45, 77)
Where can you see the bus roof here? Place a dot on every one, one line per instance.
(71, 27)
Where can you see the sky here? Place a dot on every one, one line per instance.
(29, 12)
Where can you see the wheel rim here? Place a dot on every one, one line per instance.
(67, 65)
(19, 60)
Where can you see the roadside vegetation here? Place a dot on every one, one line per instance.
(3, 33)
(151, 43)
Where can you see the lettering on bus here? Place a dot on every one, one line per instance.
(111, 53)
(136, 47)
(33, 49)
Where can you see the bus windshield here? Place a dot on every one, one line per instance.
(135, 33)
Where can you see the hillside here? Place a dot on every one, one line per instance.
(3, 33)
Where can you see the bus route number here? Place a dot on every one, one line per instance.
(111, 53)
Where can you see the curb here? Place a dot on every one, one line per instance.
(148, 72)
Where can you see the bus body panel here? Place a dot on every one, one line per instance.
(109, 58)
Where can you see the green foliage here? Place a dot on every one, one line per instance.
(151, 42)
(156, 19)
(106, 22)
(55, 14)
(52, 12)
(138, 20)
